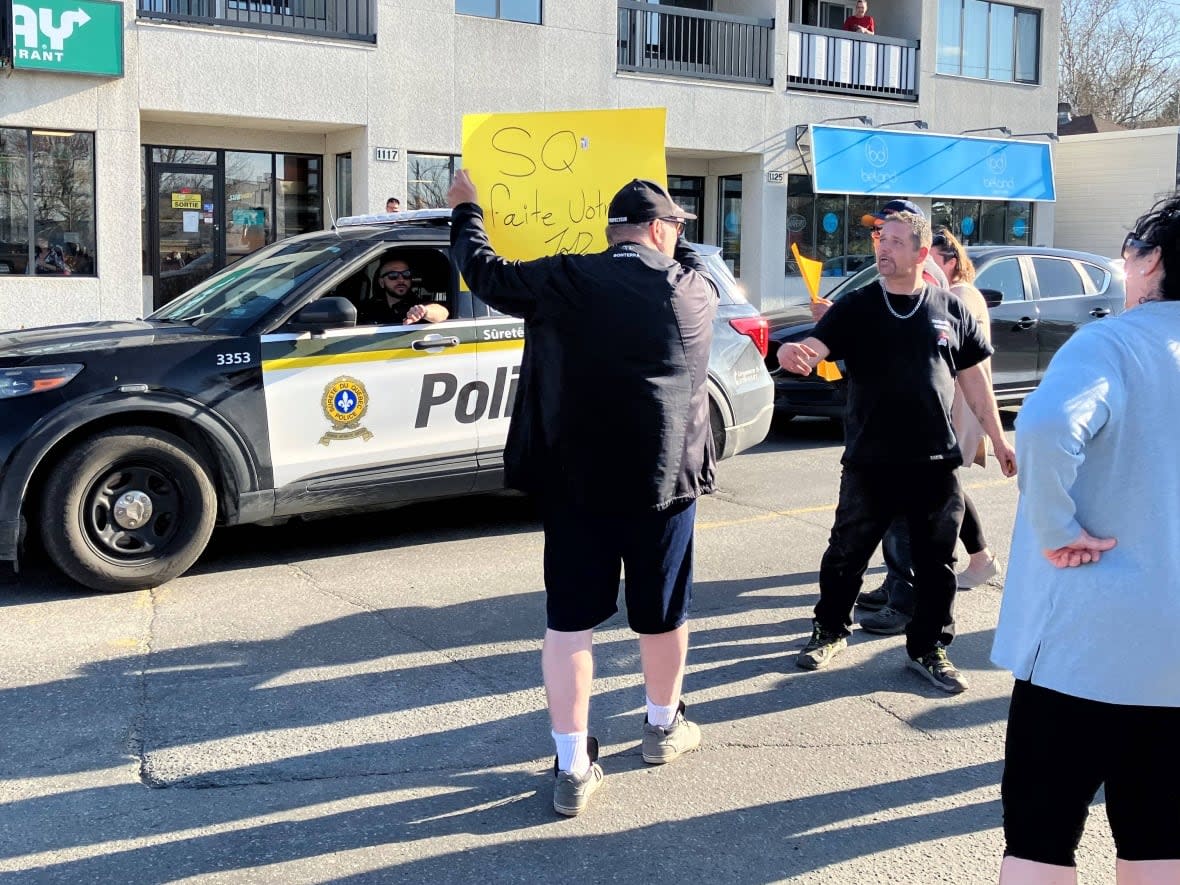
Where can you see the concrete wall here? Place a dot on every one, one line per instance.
(1107, 180)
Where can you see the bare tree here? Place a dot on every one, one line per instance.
(1120, 59)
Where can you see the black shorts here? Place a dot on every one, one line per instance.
(585, 553)
(1060, 749)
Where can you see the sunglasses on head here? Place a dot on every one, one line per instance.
(939, 240)
(1136, 242)
(395, 274)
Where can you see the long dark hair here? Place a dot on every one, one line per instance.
(1160, 228)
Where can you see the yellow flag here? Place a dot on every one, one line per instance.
(811, 271)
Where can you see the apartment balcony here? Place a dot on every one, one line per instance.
(822, 60)
(689, 43)
(341, 19)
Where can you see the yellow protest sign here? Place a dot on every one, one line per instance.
(545, 179)
(186, 201)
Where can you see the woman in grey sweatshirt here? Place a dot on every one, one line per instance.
(1090, 621)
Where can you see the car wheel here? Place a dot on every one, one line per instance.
(717, 424)
(128, 509)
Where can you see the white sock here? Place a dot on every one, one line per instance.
(571, 752)
(661, 716)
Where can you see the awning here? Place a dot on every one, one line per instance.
(918, 164)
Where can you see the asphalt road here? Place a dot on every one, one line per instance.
(358, 700)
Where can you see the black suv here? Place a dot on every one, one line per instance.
(1037, 298)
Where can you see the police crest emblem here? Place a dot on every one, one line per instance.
(345, 402)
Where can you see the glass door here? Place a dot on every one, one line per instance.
(185, 234)
(730, 221)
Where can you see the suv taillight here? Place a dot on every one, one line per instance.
(757, 329)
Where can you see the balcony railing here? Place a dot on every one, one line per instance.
(688, 43)
(342, 19)
(863, 64)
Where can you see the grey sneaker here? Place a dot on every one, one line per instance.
(873, 600)
(821, 648)
(937, 668)
(662, 745)
(887, 622)
(571, 793)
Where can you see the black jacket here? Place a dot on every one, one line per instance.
(611, 410)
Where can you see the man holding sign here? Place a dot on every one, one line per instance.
(610, 431)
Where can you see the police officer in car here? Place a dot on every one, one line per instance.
(610, 431)
(398, 303)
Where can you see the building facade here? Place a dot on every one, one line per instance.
(145, 144)
(1108, 179)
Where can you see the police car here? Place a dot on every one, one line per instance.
(255, 396)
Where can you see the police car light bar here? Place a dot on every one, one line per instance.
(388, 217)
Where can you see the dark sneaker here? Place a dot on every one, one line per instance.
(937, 667)
(662, 745)
(873, 600)
(571, 792)
(887, 622)
(820, 649)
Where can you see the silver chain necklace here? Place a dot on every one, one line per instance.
(903, 316)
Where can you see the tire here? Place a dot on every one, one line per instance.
(717, 425)
(95, 495)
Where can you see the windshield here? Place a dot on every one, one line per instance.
(235, 297)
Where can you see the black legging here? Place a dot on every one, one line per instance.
(971, 533)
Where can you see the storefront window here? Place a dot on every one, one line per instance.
(249, 191)
(993, 41)
(430, 177)
(985, 222)
(298, 194)
(343, 185)
(730, 221)
(689, 193)
(47, 202)
(829, 227)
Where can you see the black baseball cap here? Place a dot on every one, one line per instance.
(641, 200)
(891, 208)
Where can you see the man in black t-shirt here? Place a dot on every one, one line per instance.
(904, 343)
(396, 302)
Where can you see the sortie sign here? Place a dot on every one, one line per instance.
(68, 36)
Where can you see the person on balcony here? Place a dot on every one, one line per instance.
(860, 21)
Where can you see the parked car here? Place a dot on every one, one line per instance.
(255, 397)
(1037, 298)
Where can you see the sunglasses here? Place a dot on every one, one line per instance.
(678, 223)
(1134, 241)
(939, 240)
(875, 233)
(395, 274)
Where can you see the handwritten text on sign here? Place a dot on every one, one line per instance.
(545, 179)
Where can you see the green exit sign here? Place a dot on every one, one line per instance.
(68, 36)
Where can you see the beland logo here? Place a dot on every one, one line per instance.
(997, 165)
(876, 152)
(30, 25)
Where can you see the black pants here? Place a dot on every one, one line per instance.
(1060, 749)
(899, 566)
(929, 499)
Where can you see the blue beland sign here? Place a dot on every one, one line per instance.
(873, 161)
(831, 223)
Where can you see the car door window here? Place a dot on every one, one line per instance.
(1057, 278)
(1098, 276)
(1003, 276)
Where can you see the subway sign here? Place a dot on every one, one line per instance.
(68, 36)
